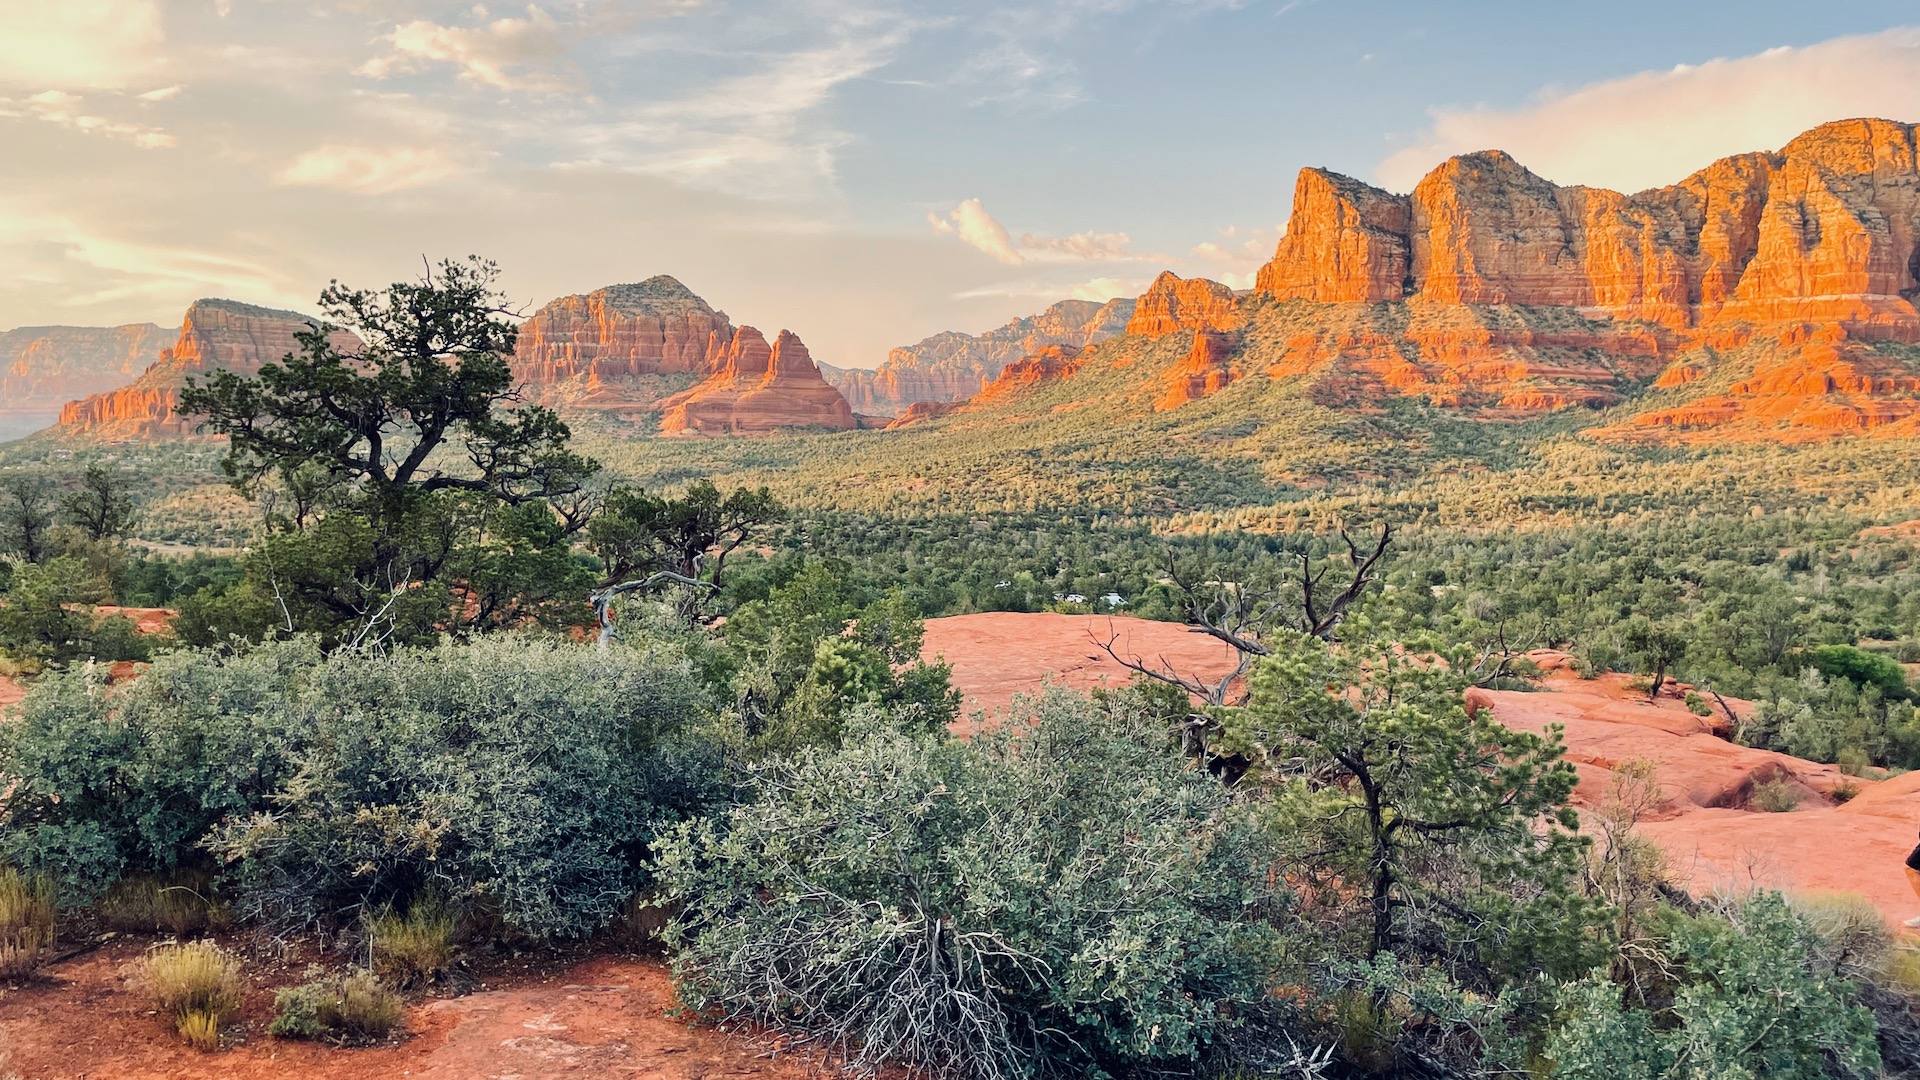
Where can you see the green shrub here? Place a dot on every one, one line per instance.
(523, 775)
(1756, 995)
(1858, 666)
(194, 986)
(94, 784)
(1697, 705)
(415, 948)
(26, 922)
(1063, 894)
(353, 1008)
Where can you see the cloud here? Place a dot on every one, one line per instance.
(78, 44)
(975, 227)
(367, 170)
(505, 54)
(1657, 127)
(970, 222)
(69, 111)
(756, 134)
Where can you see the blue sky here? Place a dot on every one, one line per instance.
(863, 173)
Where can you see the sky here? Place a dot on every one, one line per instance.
(863, 173)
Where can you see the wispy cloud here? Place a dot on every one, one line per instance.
(1655, 128)
(368, 170)
(522, 54)
(70, 111)
(971, 224)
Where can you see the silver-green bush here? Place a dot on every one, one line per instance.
(1064, 896)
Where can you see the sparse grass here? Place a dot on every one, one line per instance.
(1851, 926)
(1774, 797)
(26, 922)
(1901, 970)
(415, 948)
(179, 904)
(195, 986)
(350, 1008)
(1844, 791)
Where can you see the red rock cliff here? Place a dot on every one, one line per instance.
(1174, 303)
(215, 335)
(603, 341)
(758, 389)
(43, 367)
(1822, 231)
(952, 366)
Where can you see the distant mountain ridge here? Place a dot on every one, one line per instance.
(44, 367)
(617, 349)
(952, 366)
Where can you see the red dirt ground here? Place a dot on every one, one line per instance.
(604, 1017)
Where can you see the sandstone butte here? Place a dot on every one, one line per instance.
(599, 350)
(758, 389)
(1713, 837)
(596, 350)
(216, 334)
(952, 366)
(44, 367)
(1809, 255)
(1490, 288)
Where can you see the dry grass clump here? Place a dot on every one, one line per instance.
(1774, 797)
(26, 922)
(179, 904)
(1853, 929)
(196, 986)
(344, 1009)
(415, 948)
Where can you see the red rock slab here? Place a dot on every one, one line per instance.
(1606, 723)
(1817, 849)
(998, 654)
(10, 692)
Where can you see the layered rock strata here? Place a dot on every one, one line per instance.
(759, 389)
(952, 366)
(214, 335)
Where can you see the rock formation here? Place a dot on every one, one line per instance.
(952, 366)
(922, 411)
(596, 349)
(1824, 230)
(758, 389)
(1174, 303)
(43, 367)
(1347, 242)
(215, 335)
(1523, 295)
(1051, 364)
(1206, 370)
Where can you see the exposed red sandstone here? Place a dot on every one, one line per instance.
(921, 411)
(1051, 364)
(1206, 370)
(44, 367)
(758, 389)
(1824, 230)
(1174, 303)
(952, 366)
(215, 335)
(594, 350)
(1347, 242)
